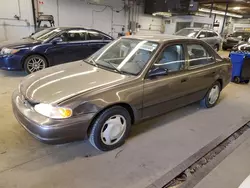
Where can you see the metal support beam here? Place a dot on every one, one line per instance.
(211, 9)
(224, 20)
(34, 13)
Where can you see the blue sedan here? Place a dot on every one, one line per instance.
(50, 47)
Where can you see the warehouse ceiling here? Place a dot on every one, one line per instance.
(235, 6)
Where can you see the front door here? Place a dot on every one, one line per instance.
(164, 93)
(74, 47)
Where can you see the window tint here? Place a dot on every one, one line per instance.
(172, 58)
(211, 34)
(74, 35)
(95, 36)
(198, 55)
(202, 34)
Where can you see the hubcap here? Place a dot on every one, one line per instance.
(36, 64)
(214, 94)
(113, 130)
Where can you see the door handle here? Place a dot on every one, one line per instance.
(184, 80)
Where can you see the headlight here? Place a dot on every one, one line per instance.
(53, 112)
(8, 51)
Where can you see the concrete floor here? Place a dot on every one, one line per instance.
(231, 172)
(154, 148)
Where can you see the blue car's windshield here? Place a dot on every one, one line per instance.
(125, 55)
(45, 34)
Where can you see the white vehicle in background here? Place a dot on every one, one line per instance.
(208, 35)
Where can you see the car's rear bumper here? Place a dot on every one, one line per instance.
(49, 130)
(11, 62)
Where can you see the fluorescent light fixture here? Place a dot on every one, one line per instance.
(220, 12)
(165, 14)
(236, 8)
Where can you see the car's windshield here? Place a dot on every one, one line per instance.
(45, 34)
(187, 32)
(241, 34)
(125, 55)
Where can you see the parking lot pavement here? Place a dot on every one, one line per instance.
(154, 148)
(223, 53)
(231, 172)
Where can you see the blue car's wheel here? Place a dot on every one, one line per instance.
(34, 63)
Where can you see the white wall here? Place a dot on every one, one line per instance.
(73, 13)
(10, 28)
(171, 27)
(81, 13)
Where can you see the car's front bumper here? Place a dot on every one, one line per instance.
(46, 129)
(11, 62)
(228, 45)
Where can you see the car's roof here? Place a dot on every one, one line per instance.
(158, 37)
(198, 28)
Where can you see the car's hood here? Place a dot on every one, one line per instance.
(56, 84)
(19, 43)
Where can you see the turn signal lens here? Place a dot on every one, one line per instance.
(53, 112)
(65, 112)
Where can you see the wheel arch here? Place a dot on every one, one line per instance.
(220, 80)
(128, 107)
(34, 53)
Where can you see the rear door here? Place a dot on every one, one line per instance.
(202, 69)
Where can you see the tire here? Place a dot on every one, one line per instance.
(216, 47)
(237, 80)
(207, 102)
(100, 128)
(38, 62)
(246, 81)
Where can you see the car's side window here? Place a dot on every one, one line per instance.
(95, 36)
(172, 58)
(215, 34)
(74, 35)
(198, 55)
(202, 34)
(210, 34)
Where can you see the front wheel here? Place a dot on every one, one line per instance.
(110, 128)
(212, 96)
(34, 63)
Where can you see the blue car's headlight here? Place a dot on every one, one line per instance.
(9, 51)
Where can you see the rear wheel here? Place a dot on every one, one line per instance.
(34, 63)
(237, 79)
(246, 81)
(216, 47)
(212, 96)
(110, 128)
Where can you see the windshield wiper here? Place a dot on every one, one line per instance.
(114, 67)
(93, 62)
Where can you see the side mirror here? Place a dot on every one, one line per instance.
(157, 71)
(56, 40)
(201, 36)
